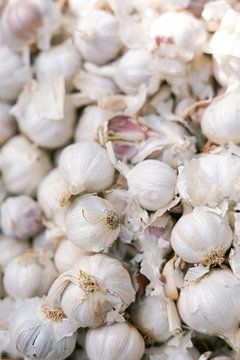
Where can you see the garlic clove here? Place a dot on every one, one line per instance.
(89, 123)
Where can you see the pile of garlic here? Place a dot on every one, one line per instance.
(119, 180)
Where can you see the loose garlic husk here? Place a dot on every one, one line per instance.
(45, 114)
(97, 290)
(41, 331)
(150, 317)
(115, 342)
(91, 223)
(220, 122)
(201, 237)
(88, 124)
(28, 275)
(85, 166)
(61, 60)
(11, 248)
(13, 74)
(98, 45)
(21, 217)
(7, 123)
(66, 255)
(153, 183)
(23, 165)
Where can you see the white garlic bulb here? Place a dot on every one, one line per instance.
(11, 248)
(41, 331)
(115, 342)
(45, 114)
(201, 237)
(60, 60)
(153, 183)
(220, 122)
(95, 291)
(91, 223)
(46, 242)
(97, 44)
(85, 166)
(88, 124)
(66, 255)
(150, 317)
(7, 123)
(21, 217)
(13, 74)
(23, 165)
(29, 275)
(76, 6)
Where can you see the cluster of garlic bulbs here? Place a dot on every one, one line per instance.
(119, 180)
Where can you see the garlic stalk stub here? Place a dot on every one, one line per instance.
(91, 223)
(115, 342)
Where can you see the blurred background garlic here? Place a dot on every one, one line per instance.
(115, 342)
(88, 124)
(10, 248)
(28, 275)
(66, 255)
(7, 123)
(23, 165)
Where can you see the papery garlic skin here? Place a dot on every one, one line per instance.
(201, 237)
(115, 342)
(21, 217)
(23, 165)
(220, 122)
(91, 223)
(85, 166)
(153, 183)
(45, 114)
(66, 255)
(29, 275)
(7, 123)
(11, 248)
(95, 291)
(88, 124)
(98, 45)
(42, 332)
(150, 318)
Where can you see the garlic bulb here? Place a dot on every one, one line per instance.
(7, 123)
(46, 242)
(95, 291)
(29, 275)
(97, 44)
(150, 317)
(11, 248)
(41, 331)
(201, 236)
(66, 255)
(77, 6)
(60, 60)
(85, 166)
(115, 342)
(23, 165)
(153, 183)
(13, 74)
(21, 217)
(220, 122)
(45, 114)
(91, 223)
(88, 124)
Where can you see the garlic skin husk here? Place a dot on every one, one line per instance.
(88, 124)
(200, 308)
(115, 342)
(66, 255)
(85, 166)
(41, 331)
(97, 45)
(11, 248)
(220, 122)
(29, 275)
(45, 114)
(92, 223)
(61, 60)
(23, 165)
(21, 217)
(153, 183)
(7, 123)
(14, 74)
(201, 237)
(150, 318)
(97, 290)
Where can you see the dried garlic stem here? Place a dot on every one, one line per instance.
(54, 314)
(214, 257)
(113, 221)
(88, 283)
